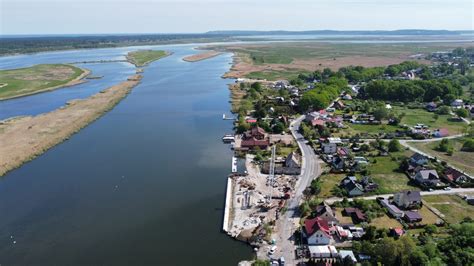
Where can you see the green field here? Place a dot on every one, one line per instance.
(25, 81)
(385, 173)
(453, 207)
(143, 57)
(411, 118)
(276, 74)
(460, 159)
(285, 53)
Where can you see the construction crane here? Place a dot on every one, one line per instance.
(271, 175)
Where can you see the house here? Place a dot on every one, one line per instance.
(392, 209)
(347, 97)
(440, 133)
(407, 199)
(454, 176)
(418, 159)
(397, 232)
(329, 148)
(351, 186)
(347, 253)
(318, 123)
(255, 137)
(316, 231)
(412, 217)
(357, 215)
(335, 140)
(343, 152)
(428, 178)
(292, 161)
(431, 107)
(368, 183)
(338, 164)
(339, 105)
(322, 252)
(324, 211)
(457, 103)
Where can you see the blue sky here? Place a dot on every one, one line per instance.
(163, 16)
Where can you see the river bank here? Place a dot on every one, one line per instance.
(24, 138)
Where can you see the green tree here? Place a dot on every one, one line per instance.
(380, 113)
(443, 110)
(444, 146)
(394, 146)
(461, 112)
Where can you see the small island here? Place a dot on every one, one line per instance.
(39, 78)
(24, 138)
(142, 58)
(201, 56)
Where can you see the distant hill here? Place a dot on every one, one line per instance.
(336, 32)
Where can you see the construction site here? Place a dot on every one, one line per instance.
(254, 202)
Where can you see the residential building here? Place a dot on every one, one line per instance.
(292, 161)
(418, 159)
(412, 217)
(356, 214)
(322, 252)
(316, 231)
(324, 211)
(255, 137)
(329, 148)
(392, 209)
(428, 178)
(454, 176)
(407, 199)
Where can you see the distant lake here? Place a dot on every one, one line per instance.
(142, 185)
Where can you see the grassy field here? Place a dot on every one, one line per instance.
(453, 207)
(428, 216)
(460, 159)
(411, 118)
(385, 173)
(276, 74)
(342, 219)
(25, 81)
(385, 222)
(144, 57)
(328, 181)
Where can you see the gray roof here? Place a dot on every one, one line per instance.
(428, 174)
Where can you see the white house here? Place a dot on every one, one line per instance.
(329, 148)
(317, 232)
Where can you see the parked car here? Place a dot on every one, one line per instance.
(272, 250)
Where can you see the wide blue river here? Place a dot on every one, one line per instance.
(142, 185)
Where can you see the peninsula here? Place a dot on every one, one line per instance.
(24, 138)
(142, 58)
(39, 78)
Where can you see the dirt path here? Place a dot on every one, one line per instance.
(24, 138)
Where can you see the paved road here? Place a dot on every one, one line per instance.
(289, 221)
(423, 193)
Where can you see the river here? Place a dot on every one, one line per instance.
(142, 185)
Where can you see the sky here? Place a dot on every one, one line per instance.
(188, 16)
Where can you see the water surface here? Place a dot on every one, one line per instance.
(143, 185)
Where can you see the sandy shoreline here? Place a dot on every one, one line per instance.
(78, 80)
(24, 138)
(201, 56)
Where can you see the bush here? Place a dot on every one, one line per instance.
(394, 146)
(468, 145)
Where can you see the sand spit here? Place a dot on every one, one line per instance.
(201, 56)
(24, 138)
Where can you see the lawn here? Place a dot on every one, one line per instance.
(411, 118)
(342, 219)
(415, 116)
(275, 74)
(385, 222)
(460, 159)
(453, 207)
(24, 81)
(328, 181)
(428, 216)
(144, 57)
(385, 173)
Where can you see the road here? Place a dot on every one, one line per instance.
(288, 222)
(423, 193)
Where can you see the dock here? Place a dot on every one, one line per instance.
(234, 164)
(224, 117)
